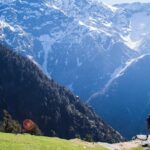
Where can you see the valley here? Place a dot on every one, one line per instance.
(97, 51)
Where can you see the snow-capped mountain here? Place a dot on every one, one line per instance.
(85, 45)
(132, 22)
(76, 42)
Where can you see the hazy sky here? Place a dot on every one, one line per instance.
(124, 1)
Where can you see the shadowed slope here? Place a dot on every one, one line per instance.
(25, 92)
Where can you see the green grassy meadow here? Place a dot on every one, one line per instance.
(28, 142)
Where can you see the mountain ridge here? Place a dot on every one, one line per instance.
(127, 99)
(25, 92)
(55, 26)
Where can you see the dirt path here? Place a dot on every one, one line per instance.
(122, 146)
(130, 145)
(138, 143)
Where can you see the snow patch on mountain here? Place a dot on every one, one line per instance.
(49, 5)
(47, 43)
(32, 59)
(87, 26)
(113, 8)
(4, 24)
(134, 45)
(117, 73)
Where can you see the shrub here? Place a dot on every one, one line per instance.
(88, 138)
(9, 125)
(32, 129)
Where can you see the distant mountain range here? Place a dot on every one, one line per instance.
(85, 45)
(75, 42)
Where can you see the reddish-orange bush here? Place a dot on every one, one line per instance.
(28, 124)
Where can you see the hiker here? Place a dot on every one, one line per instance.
(148, 129)
(148, 125)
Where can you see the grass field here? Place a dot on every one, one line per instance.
(28, 142)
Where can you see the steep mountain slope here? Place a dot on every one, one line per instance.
(127, 99)
(138, 15)
(25, 92)
(85, 45)
(132, 22)
(85, 31)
